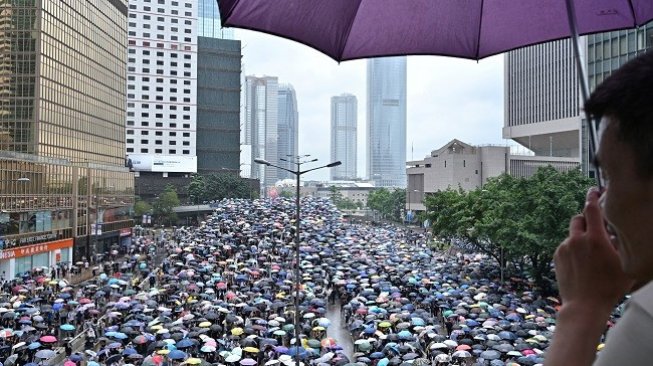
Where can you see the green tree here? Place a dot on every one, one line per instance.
(514, 220)
(164, 205)
(286, 194)
(141, 208)
(217, 186)
(390, 204)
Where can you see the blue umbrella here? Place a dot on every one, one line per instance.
(129, 351)
(119, 335)
(404, 334)
(292, 351)
(34, 345)
(185, 343)
(76, 358)
(67, 327)
(177, 355)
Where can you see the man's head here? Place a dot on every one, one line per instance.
(625, 157)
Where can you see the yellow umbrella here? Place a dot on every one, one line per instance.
(385, 325)
(156, 327)
(319, 329)
(205, 324)
(237, 331)
(193, 361)
(600, 346)
(162, 331)
(251, 349)
(163, 352)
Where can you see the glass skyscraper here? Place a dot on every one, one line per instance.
(386, 121)
(344, 120)
(288, 129)
(65, 192)
(209, 21)
(261, 132)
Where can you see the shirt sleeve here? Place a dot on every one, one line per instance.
(629, 342)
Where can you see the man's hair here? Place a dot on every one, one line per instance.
(627, 96)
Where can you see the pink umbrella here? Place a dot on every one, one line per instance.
(48, 339)
(69, 363)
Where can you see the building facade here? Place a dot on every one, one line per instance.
(344, 127)
(608, 51)
(260, 129)
(288, 129)
(542, 104)
(386, 121)
(218, 105)
(65, 192)
(454, 165)
(162, 87)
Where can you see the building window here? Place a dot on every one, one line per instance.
(172, 151)
(144, 150)
(130, 141)
(130, 149)
(145, 141)
(186, 152)
(145, 133)
(173, 142)
(158, 151)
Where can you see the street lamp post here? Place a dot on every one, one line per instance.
(297, 172)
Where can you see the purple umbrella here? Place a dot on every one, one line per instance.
(353, 29)
(473, 29)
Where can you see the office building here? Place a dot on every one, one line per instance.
(218, 105)
(344, 122)
(454, 165)
(65, 192)
(386, 121)
(209, 24)
(288, 130)
(542, 105)
(162, 87)
(608, 51)
(260, 129)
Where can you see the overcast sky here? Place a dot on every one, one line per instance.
(447, 98)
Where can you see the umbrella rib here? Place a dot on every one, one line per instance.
(480, 26)
(632, 13)
(351, 25)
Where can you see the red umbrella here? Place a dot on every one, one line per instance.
(85, 301)
(48, 339)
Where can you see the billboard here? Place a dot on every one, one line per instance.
(163, 163)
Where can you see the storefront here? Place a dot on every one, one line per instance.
(126, 237)
(23, 259)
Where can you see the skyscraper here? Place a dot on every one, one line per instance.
(162, 87)
(261, 129)
(65, 192)
(288, 129)
(344, 120)
(542, 106)
(386, 121)
(218, 105)
(209, 21)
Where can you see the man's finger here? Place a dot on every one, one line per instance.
(577, 225)
(593, 216)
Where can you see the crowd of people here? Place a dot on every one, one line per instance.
(223, 294)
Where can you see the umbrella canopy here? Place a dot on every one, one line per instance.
(353, 29)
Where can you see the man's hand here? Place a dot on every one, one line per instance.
(587, 266)
(590, 281)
